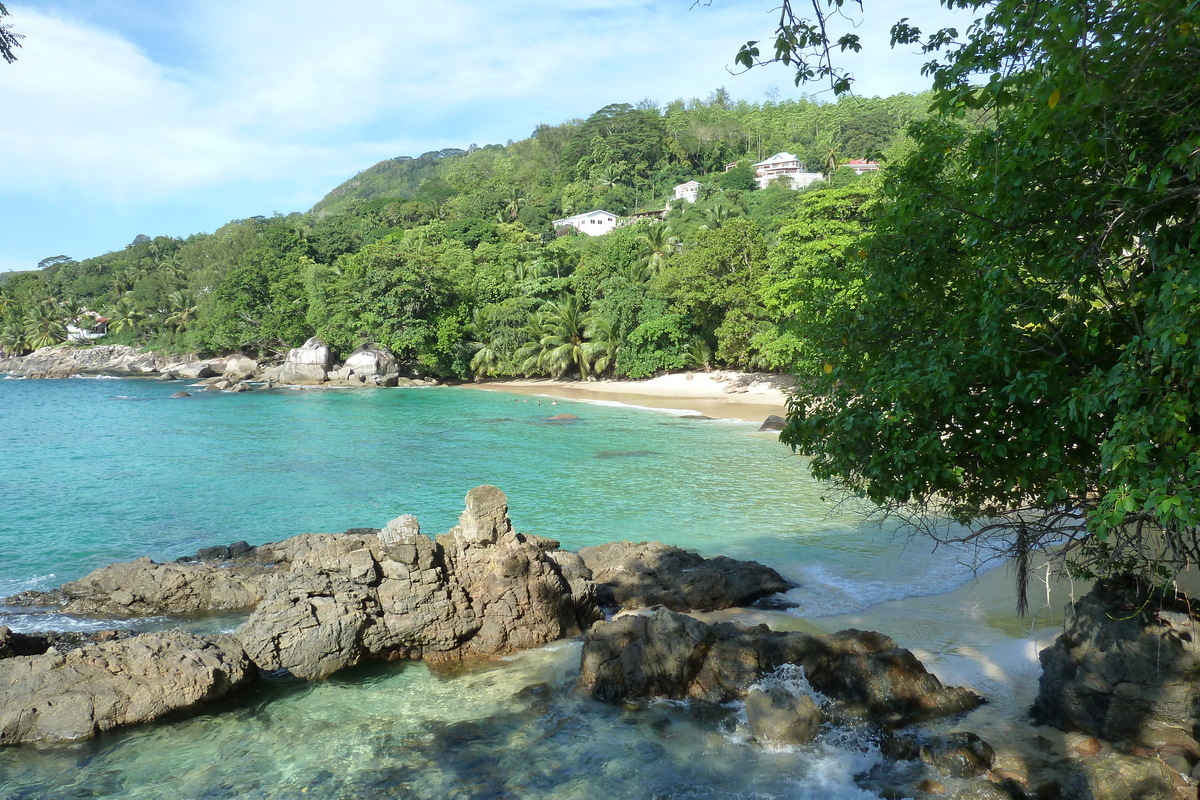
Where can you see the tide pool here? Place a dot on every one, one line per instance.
(96, 470)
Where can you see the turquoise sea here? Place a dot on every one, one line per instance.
(97, 470)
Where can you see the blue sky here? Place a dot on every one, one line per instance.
(123, 117)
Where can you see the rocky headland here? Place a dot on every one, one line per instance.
(312, 364)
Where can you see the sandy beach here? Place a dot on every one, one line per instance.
(751, 397)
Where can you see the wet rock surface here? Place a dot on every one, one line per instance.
(643, 574)
(78, 693)
(669, 655)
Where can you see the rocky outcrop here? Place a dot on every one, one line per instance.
(146, 588)
(865, 676)
(369, 365)
(481, 590)
(1124, 669)
(777, 715)
(196, 370)
(75, 694)
(239, 367)
(773, 422)
(643, 574)
(307, 364)
(62, 361)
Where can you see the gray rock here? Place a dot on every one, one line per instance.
(373, 364)
(239, 367)
(308, 364)
(76, 694)
(181, 394)
(1124, 668)
(669, 655)
(779, 716)
(61, 361)
(144, 587)
(480, 591)
(959, 755)
(196, 370)
(639, 575)
(400, 529)
(1113, 776)
(773, 422)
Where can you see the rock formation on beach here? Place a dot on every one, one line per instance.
(481, 590)
(669, 655)
(639, 575)
(78, 693)
(62, 361)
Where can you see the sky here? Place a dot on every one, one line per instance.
(127, 117)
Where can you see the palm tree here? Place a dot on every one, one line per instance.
(831, 159)
(485, 354)
(529, 354)
(657, 244)
(182, 312)
(43, 327)
(513, 203)
(717, 216)
(123, 316)
(12, 339)
(564, 335)
(601, 347)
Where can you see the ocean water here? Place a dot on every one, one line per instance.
(97, 470)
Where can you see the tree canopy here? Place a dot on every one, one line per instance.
(1015, 346)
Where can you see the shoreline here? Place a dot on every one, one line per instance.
(748, 397)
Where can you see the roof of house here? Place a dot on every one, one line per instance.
(583, 216)
(689, 183)
(861, 162)
(778, 158)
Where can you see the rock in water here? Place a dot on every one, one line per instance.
(481, 590)
(773, 422)
(640, 575)
(79, 693)
(239, 368)
(373, 365)
(669, 655)
(1124, 668)
(307, 364)
(779, 716)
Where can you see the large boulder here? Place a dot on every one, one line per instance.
(479, 591)
(239, 367)
(643, 574)
(195, 370)
(1124, 668)
(669, 655)
(373, 365)
(778, 715)
(307, 364)
(78, 693)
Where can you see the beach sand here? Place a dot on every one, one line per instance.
(722, 395)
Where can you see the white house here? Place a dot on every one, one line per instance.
(860, 165)
(593, 223)
(687, 191)
(782, 168)
(99, 328)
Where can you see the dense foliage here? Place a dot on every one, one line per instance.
(451, 258)
(1013, 342)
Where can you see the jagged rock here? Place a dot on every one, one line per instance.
(665, 654)
(400, 529)
(61, 361)
(780, 716)
(239, 367)
(773, 422)
(481, 590)
(145, 587)
(76, 694)
(644, 574)
(1124, 668)
(1113, 776)
(241, 386)
(959, 755)
(19, 644)
(308, 364)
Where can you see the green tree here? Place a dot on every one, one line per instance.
(1023, 354)
(10, 40)
(44, 326)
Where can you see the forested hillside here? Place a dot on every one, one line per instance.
(450, 258)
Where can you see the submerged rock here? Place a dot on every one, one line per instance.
(669, 655)
(643, 574)
(76, 694)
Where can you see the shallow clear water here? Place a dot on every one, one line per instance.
(94, 471)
